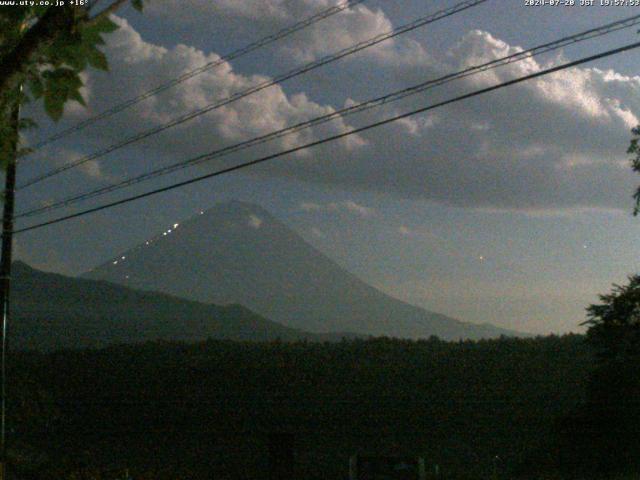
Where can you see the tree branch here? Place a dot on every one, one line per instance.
(54, 21)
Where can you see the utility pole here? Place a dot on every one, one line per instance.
(5, 272)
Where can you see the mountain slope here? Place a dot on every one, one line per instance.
(52, 311)
(239, 253)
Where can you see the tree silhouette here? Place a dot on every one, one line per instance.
(45, 49)
(612, 423)
(634, 148)
(614, 325)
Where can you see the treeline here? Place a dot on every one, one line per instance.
(207, 410)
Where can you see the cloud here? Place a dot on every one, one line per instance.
(91, 169)
(255, 221)
(264, 17)
(135, 62)
(275, 11)
(348, 206)
(419, 124)
(556, 143)
(357, 209)
(513, 149)
(343, 31)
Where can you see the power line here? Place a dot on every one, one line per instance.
(420, 22)
(380, 123)
(263, 42)
(358, 108)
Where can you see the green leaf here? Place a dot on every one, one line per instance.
(97, 59)
(53, 106)
(73, 56)
(34, 82)
(102, 25)
(62, 84)
(23, 151)
(137, 4)
(53, 74)
(77, 96)
(26, 123)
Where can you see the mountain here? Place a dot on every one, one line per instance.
(51, 311)
(239, 253)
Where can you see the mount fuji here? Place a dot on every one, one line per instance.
(238, 253)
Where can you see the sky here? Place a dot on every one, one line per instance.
(513, 208)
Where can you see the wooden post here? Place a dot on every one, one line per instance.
(5, 276)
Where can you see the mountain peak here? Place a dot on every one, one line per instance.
(236, 206)
(221, 214)
(219, 257)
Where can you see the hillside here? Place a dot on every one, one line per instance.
(53, 311)
(239, 253)
(207, 410)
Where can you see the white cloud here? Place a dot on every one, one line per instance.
(139, 64)
(348, 206)
(345, 30)
(520, 148)
(91, 169)
(255, 221)
(509, 149)
(276, 11)
(342, 30)
(419, 124)
(357, 209)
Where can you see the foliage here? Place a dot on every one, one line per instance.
(205, 410)
(614, 325)
(602, 436)
(45, 49)
(634, 148)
